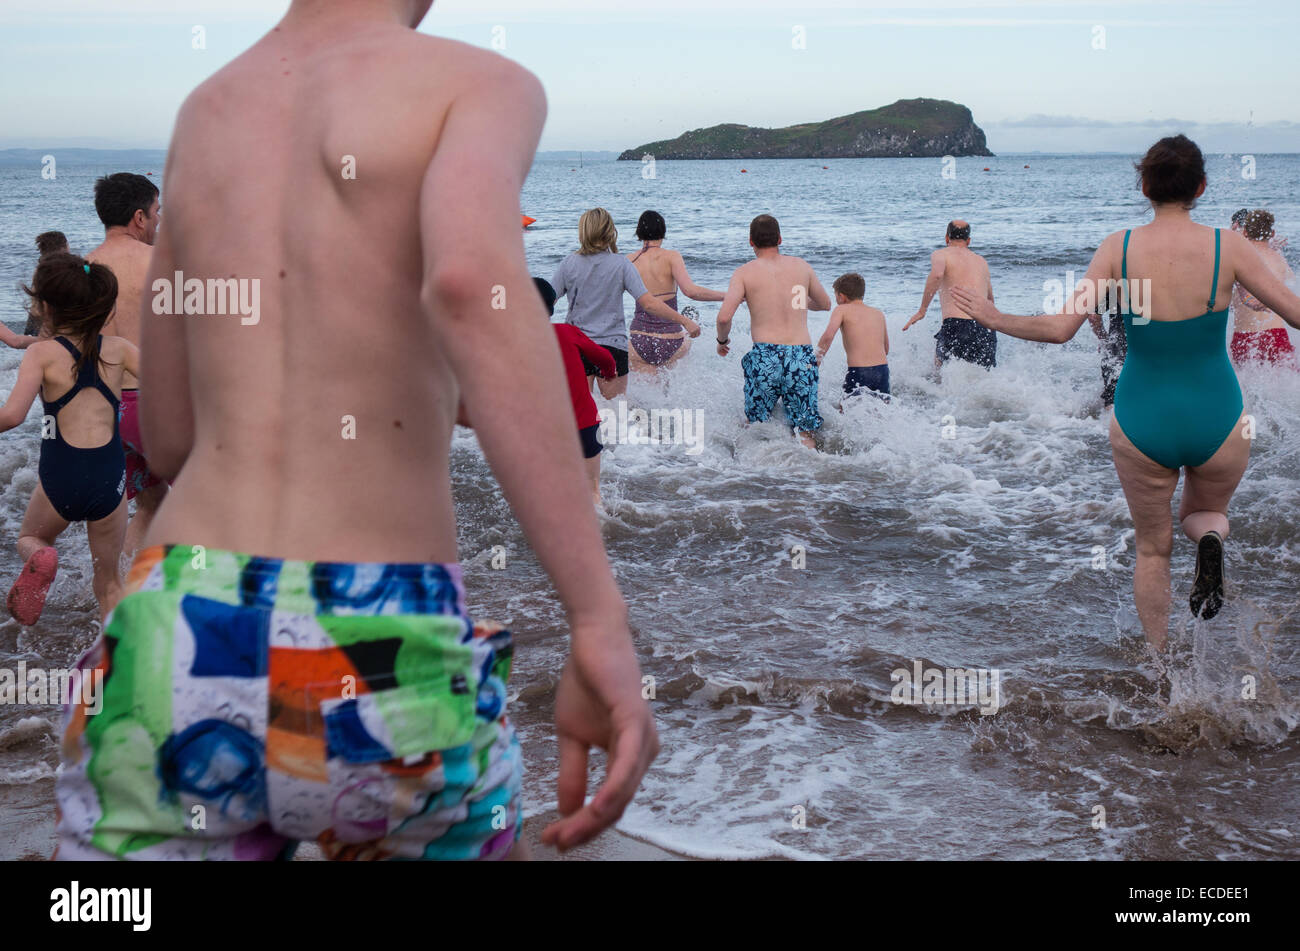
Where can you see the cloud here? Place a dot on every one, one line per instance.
(1040, 121)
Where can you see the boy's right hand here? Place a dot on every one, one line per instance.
(598, 703)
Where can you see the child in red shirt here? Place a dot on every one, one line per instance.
(574, 346)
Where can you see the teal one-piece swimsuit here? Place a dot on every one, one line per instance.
(1178, 398)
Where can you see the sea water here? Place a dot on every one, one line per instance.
(973, 524)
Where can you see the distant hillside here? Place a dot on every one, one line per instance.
(908, 128)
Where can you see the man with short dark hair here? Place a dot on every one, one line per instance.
(127, 204)
(780, 289)
(956, 265)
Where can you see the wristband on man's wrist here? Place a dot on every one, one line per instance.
(723, 343)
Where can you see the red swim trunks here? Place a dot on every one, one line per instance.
(1264, 346)
(138, 476)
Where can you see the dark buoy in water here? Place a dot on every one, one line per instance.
(1026, 166)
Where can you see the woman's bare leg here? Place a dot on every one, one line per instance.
(612, 388)
(1149, 488)
(1204, 514)
(1209, 487)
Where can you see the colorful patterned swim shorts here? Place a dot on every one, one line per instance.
(787, 372)
(251, 703)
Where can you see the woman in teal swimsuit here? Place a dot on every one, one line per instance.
(1177, 403)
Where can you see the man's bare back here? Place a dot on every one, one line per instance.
(128, 259)
(959, 266)
(780, 290)
(954, 265)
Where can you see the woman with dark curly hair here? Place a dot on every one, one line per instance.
(1177, 404)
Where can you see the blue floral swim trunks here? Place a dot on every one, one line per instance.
(787, 372)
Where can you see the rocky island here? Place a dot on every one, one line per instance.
(909, 128)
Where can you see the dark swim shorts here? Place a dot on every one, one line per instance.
(620, 362)
(966, 340)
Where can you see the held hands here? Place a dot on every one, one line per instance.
(598, 703)
(978, 306)
(689, 324)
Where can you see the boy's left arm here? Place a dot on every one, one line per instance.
(30, 374)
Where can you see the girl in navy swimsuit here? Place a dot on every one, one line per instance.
(78, 375)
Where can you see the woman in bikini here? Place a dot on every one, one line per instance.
(78, 373)
(594, 279)
(1178, 406)
(660, 343)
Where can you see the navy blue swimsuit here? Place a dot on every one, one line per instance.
(83, 485)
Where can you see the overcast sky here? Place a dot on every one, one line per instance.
(112, 73)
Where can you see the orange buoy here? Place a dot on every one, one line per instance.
(527, 221)
(743, 171)
(825, 166)
(1026, 166)
(986, 168)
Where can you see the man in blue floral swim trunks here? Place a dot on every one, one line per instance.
(294, 658)
(779, 289)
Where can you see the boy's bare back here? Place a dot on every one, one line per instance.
(301, 165)
(866, 339)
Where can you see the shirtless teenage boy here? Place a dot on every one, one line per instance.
(780, 289)
(866, 338)
(956, 265)
(303, 569)
(1258, 334)
(127, 204)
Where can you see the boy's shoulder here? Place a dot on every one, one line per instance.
(859, 309)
